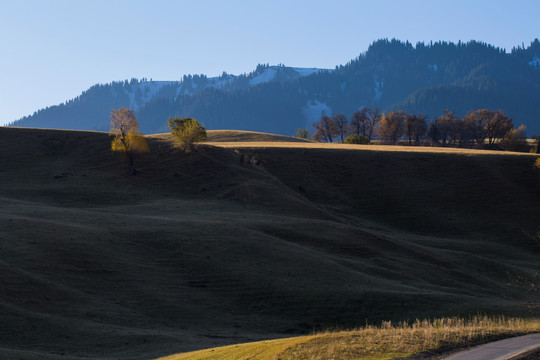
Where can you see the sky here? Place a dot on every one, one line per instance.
(53, 50)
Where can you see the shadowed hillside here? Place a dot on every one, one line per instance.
(222, 246)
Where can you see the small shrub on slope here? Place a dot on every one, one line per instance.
(356, 139)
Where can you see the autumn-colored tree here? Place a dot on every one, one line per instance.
(515, 140)
(487, 124)
(325, 129)
(187, 132)
(476, 121)
(498, 125)
(342, 125)
(391, 126)
(127, 136)
(415, 128)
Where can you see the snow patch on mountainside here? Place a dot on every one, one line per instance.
(378, 88)
(313, 111)
(267, 75)
(218, 82)
(222, 81)
(271, 72)
(307, 71)
(535, 61)
(141, 93)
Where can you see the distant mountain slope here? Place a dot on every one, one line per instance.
(392, 74)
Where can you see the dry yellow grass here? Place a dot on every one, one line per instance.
(339, 146)
(387, 341)
(256, 350)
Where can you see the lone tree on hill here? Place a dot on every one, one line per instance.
(127, 136)
(187, 132)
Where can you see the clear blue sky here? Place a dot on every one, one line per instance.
(52, 50)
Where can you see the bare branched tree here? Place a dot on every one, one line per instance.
(342, 125)
(325, 129)
(415, 128)
(364, 121)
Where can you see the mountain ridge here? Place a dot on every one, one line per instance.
(391, 74)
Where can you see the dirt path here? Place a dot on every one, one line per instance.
(500, 350)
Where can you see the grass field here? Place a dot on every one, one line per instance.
(229, 245)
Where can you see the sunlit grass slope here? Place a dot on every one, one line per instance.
(251, 136)
(388, 341)
(270, 349)
(240, 136)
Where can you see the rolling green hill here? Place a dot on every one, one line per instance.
(211, 248)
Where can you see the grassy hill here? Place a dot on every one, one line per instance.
(235, 244)
(242, 136)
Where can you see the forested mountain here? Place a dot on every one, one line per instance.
(391, 74)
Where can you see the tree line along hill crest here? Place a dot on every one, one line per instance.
(481, 129)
